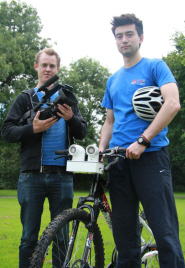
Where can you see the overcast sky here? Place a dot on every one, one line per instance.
(82, 27)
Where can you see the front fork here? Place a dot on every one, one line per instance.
(71, 243)
(89, 239)
(99, 203)
(87, 249)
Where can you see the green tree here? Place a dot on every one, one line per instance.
(176, 62)
(88, 79)
(20, 27)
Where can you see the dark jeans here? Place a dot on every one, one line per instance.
(33, 188)
(148, 180)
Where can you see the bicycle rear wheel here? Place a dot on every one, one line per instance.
(63, 242)
(149, 250)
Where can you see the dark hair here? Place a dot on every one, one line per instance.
(126, 19)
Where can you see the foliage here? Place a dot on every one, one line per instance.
(19, 42)
(9, 171)
(88, 79)
(176, 62)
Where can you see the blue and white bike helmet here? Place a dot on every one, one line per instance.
(147, 102)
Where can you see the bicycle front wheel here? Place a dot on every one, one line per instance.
(149, 250)
(65, 242)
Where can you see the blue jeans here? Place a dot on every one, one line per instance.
(148, 180)
(33, 188)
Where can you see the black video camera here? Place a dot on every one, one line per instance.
(65, 96)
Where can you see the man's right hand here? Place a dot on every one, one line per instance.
(42, 125)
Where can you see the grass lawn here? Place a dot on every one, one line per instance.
(10, 227)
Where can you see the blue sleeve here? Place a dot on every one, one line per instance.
(107, 101)
(162, 74)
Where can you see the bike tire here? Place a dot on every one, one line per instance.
(149, 250)
(55, 229)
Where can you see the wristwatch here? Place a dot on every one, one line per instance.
(143, 141)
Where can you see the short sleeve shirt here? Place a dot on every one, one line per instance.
(120, 89)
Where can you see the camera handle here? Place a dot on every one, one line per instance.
(48, 83)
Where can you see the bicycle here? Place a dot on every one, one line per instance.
(73, 239)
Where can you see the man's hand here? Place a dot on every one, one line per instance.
(42, 125)
(135, 150)
(65, 112)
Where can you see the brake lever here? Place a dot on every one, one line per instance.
(113, 155)
(111, 165)
(122, 156)
(108, 154)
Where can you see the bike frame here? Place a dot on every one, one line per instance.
(99, 202)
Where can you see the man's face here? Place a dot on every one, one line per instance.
(127, 40)
(46, 67)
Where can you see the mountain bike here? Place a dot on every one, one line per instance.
(73, 239)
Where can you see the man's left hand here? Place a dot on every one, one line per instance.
(135, 150)
(65, 112)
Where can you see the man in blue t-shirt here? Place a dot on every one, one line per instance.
(41, 176)
(144, 175)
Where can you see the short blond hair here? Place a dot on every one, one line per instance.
(48, 51)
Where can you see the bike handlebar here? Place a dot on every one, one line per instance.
(107, 153)
(115, 150)
(60, 152)
(115, 153)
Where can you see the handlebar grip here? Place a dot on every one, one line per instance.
(121, 150)
(60, 152)
(110, 166)
(106, 151)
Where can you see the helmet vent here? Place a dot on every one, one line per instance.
(147, 102)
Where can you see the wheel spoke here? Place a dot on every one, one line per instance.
(149, 251)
